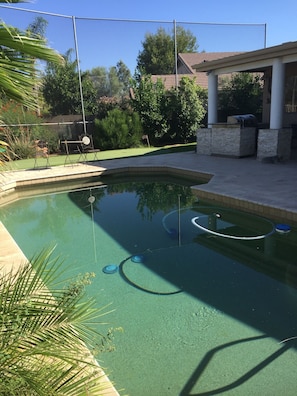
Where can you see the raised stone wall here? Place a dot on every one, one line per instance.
(204, 141)
(274, 144)
(227, 140)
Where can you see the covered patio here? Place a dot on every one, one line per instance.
(272, 137)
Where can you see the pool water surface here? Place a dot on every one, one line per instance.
(203, 310)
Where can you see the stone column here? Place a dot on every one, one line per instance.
(274, 144)
(204, 141)
(277, 94)
(212, 99)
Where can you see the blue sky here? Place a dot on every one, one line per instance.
(105, 42)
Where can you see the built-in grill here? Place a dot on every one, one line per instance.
(245, 120)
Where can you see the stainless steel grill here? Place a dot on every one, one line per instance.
(245, 120)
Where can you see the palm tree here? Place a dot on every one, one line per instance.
(18, 67)
(43, 333)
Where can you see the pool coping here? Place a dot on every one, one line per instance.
(20, 184)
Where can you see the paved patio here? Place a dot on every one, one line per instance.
(266, 188)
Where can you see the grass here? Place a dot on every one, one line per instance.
(58, 160)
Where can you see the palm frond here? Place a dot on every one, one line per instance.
(44, 332)
(18, 68)
(11, 37)
(14, 1)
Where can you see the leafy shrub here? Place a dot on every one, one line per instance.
(185, 110)
(242, 94)
(21, 128)
(20, 144)
(120, 129)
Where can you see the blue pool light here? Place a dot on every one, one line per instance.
(138, 258)
(282, 228)
(110, 269)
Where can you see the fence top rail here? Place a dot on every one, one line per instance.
(47, 123)
(130, 20)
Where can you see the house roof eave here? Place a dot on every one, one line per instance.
(257, 60)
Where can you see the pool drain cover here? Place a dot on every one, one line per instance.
(110, 269)
(283, 228)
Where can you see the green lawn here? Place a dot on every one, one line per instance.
(56, 160)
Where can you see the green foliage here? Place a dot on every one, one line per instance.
(171, 116)
(112, 82)
(242, 94)
(61, 89)
(149, 102)
(43, 332)
(38, 27)
(3, 152)
(158, 54)
(18, 67)
(185, 110)
(154, 197)
(20, 146)
(21, 138)
(106, 104)
(119, 129)
(124, 76)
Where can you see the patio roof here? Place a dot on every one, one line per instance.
(257, 60)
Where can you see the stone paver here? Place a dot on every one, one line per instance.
(267, 188)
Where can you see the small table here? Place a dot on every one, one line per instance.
(78, 144)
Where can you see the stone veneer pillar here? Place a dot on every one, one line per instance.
(204, 137)
(274, 144)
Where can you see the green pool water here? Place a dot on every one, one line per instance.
(201, 314)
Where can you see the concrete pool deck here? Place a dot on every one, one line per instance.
(269, 189)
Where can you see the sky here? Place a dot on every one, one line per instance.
(110, 31)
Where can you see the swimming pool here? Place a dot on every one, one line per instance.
(201, 313)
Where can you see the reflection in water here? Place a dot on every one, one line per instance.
(91, 200)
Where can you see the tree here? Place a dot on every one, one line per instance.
(119, 129)
(149, 102)
(169, 116)
(124, 75)
(242, 94)
(61, 88)
(38, 27)
(112, 82)
(157, 56)
(44, 332)
(185, 110)
(99, 78)
(18, 69)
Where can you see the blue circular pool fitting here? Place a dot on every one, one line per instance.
(282, 228)
(138, 258)
(110, 269)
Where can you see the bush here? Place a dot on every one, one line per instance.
(242, 94)
(120, 129)
(22, 128)
(20, 144)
